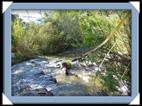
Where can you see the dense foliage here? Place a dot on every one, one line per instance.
(107, 30)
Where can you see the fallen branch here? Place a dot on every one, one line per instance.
(107, 54)
(108, 38)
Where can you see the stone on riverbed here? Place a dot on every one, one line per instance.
(42, 77)
(29, 79)
(28, 91)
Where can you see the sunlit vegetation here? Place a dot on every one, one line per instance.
(104, 34)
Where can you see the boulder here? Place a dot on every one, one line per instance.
(34, 92)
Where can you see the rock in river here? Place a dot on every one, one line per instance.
(29, 79)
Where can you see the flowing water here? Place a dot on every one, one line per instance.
(36, 73)
(44, 76)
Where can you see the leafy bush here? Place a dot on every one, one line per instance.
(110, 83)
(60, 30)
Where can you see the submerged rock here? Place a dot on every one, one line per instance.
(29, 79)
(34, 92)
(42, 77)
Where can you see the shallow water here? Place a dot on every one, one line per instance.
(38, 73)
